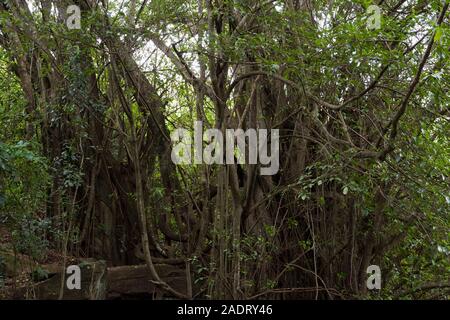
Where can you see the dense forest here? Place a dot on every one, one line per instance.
(116, 159)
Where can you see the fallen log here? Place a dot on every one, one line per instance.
(129, 281)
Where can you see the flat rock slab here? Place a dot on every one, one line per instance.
(93, 285)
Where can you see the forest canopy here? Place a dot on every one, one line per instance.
(347, 101)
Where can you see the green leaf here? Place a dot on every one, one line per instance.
(438, 34)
